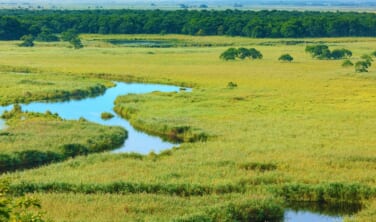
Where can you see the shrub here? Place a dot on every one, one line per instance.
(318, 51)
(76, 43)
(28, 41)
(362, 66)
(229, 54)
(367, 58)
(286, 58)
(322, 52)
(347, 63)
(258, 166)
(340, 54)
(106, 115)
(255, 54)
(326, 193)
(46, 35)
(241, 53)
(249, 210)
(21, 209)
(231, 85)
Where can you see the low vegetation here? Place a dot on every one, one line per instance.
(22, 85)
(106, 115)
(322, 52)
(286, 58)
(51, 139)
(254, 135)
(241, 53)
(364, 64)
(347, 63)
(20, 208)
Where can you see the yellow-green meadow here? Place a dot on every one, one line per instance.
(300, 131)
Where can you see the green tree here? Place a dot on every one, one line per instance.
(340, 54)
(318, 51)
(76, 43)
(362, 66)
(243, 53)
(229, 54)
(255, 54)
(347, 63)
(46, 35)
(367, 58)
(69, 35)
(28, 41)
(286, 58)
(20, 209)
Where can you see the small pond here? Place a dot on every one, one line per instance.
(143, 43)
(313, 212)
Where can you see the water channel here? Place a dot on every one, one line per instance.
(91, 109)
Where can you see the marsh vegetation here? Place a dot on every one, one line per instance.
(281, 132)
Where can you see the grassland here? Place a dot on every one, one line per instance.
(297, 131)
(22, 85)
(34, 139)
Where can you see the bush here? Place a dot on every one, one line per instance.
(327, 193)
(318, 51)
(231, 85)
(347, 63)
(76, 43)
(249, 210)
(341, 53)
(322, 52)
(69, 35)
(286, 58)
(362, 66)
(229, 54)
(46, 35)
(20, 209)
(258, 166)
(255, 54)
(28, 41)
(106, 115)
(367, 58)
(241, 53)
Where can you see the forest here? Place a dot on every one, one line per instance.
(257, 24)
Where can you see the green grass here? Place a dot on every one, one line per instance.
(22, 85)
(309, 122)
(33, 139)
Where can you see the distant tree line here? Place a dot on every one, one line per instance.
(277, 24)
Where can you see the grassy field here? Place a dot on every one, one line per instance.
(22, 85)
(301, 131)
(33, 139)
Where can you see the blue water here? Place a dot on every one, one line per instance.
(306, 216)
(91, 109)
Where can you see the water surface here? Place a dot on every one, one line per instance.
(143, 43)
(91, 109)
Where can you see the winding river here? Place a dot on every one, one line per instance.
(91, 109)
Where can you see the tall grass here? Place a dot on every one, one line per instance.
(35, 139)
(304, 128)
